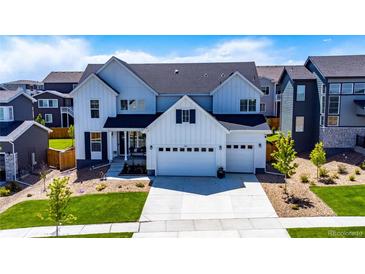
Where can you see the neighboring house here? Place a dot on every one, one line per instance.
(185, 119)
(269, 83)
(23, 142)
(341, 92)
(300, 105)
(55, 107)
(62, 81)
(25, 85)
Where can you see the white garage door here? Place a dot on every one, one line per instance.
(186, 161)
(240, 158)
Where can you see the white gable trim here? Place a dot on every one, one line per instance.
(22, 128)
(17, 95)
(243, 78)
(93, 76)
(194, 104)
(54, 92)
(113, 58)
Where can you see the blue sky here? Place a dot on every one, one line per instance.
(32, 57)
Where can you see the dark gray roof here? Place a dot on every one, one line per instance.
(130, 120)
(299, 73)
(63, 77)
(182, 78)
(340, 66)
(242, 121)
(5, 95)
(8, 127)
(270, 72)
(23, 82)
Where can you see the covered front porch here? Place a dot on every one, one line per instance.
(127, 144)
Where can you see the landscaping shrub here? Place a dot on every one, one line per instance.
(100, 187)
(352, 177)
(304, 178)
(295, 207)
(342, 169)
(362, 165)
(357, 171)
(140, 185)
(323, 172)
(335, 176)
(29, 195)
(4, 191)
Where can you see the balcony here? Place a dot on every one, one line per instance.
(67, 110)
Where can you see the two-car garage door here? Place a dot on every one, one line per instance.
(186, 161)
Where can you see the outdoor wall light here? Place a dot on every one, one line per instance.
(220, 147)
(260, 145)
(151, 147)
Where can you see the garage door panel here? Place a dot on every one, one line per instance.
(186, 162)
(240, 158)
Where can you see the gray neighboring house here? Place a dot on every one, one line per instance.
(269, 82)
(23, 142)
(299, 107)
(24, 85)
(62, 81)
(341, 92)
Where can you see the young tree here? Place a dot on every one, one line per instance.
(43, 175)
(40, 120)
(71, 133)
(318, 156)
(284, 156)
(59, 198)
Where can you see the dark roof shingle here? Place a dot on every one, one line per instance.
(270, 72)
(242, 121)
(63, 77)
(130, 120)
(299, 73)
(8, 127)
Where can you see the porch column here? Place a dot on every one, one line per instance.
(125, 146)
(110, 145)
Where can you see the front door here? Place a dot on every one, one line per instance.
(122, 136)
(2, 168)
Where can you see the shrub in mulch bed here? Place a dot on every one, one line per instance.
(297, 202)
(10, 189)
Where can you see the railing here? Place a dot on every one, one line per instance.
(278, 97)
(360, 141)
(68, 110)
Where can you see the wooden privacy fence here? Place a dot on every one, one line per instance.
(61, 159)
(59, 133)
(274, 122)
(270, 148)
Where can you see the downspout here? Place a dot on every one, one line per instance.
(14, 164)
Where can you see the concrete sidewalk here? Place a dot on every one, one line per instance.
(214, 228)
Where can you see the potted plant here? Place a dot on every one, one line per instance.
(221, 173)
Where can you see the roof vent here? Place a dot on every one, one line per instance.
(222, 75)
(176, 71)
(205, 75)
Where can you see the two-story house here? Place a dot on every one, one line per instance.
(25, 85)
(269, 83)
(23, 142)
(185, 118)
(54, 103)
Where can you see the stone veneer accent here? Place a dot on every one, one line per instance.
(340, 137)
(9, 166)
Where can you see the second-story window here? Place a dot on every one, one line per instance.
(335, 88)
(334, 105)
(359, 88)
(185, 116)
(248, 105)
(123, 104)
(47, 103)
(132, 105)
(265, 90)
(262, 107)
(301, 93)
(6, 114)
(94, 108)
(347, 88)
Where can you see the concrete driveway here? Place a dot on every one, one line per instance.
(194, 198)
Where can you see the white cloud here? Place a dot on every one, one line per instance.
(23, 58)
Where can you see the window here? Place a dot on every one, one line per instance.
(265, 90)
(196, 149)
(94, 108)
(204, 149)
(250, 147)
(335, 88)
(132, 104)
(189, 149)
(301, 93)
(229, 146)
(210, 149)
(123, 104)
(277, 88)
(6, 114)
(359, 88)
(321, 120)
(168, 149)
(174, 149)
(235, 146)
(323, 104)
(48, 118)
(185, 115)
(323, 89)
(243, 146)
(262, 107)
(299, 123)
(248, 105)
(182, 149)
(334, 104)
(347, 88)
(95, 141)
(160, 149)
(332, 120)
(47, 103)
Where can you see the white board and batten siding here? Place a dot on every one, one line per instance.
(129, 87)
(205, 133)
(93, 89)
(226, 99)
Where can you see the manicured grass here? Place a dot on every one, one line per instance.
(60, 143)
(272, 138)
(328, 232)
(344, 200)
(88, 209)
(101, 235)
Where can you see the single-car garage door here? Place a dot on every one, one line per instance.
(240, 158)
(186, 161)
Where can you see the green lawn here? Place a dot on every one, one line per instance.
(101, 235)
(89, 209)
(60, 143)
(344, 200)
(327, 232)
